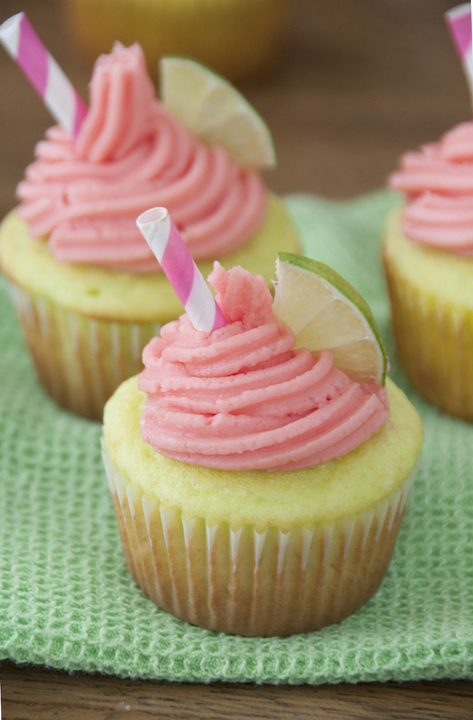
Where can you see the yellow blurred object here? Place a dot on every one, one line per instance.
(238, 38)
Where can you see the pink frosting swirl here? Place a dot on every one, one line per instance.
(438, 183)
(132, 154)
(242, 398)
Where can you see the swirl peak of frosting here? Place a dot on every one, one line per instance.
(120, 82)
(438, 184)
(241, 398)
(132, 154)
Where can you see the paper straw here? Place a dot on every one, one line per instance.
(43, 72)
(459, 23)
(189, 285)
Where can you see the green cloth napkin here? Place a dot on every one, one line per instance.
(68, 601)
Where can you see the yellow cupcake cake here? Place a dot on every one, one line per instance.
(258, 487)
(239, 38)
(428, 258)
(88, 290)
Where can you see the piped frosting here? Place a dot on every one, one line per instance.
(132, 154)
(241, 398)
(438, 184)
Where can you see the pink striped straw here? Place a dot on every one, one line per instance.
(458, 20)
(43, 72)
(189, 285)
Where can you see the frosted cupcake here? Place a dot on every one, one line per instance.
(88, 290)
(428, 257)
(258, 488)
(238, 38)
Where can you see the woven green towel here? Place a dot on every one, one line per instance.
(68, 601)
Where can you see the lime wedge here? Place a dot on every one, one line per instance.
(326, 313)
(215, 111)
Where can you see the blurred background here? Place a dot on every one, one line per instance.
(345, 87)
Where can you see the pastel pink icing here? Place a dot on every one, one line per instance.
(241, 398)
(438, 183)
(132, 154)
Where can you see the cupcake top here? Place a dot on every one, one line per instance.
(242, 398)
(438, 184)
(131, 154)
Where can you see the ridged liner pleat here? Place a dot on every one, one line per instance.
(434, 343)
(249, 583)
(80, 361)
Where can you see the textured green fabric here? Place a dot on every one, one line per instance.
(68, 601)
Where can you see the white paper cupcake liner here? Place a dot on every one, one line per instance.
(249, 583)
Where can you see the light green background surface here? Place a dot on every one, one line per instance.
(68, 601)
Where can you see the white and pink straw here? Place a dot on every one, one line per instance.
(459, 23)
(185, 277)
(41, 69)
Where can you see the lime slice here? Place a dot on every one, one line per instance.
(215, 111)
(326, 313)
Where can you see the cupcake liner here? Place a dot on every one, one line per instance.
(235, 37)
(250, 583)
(434, 342)
(79, 360)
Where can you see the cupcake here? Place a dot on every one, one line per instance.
(258, 488)
(428, 258)
(88, 290)
(239, 38)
